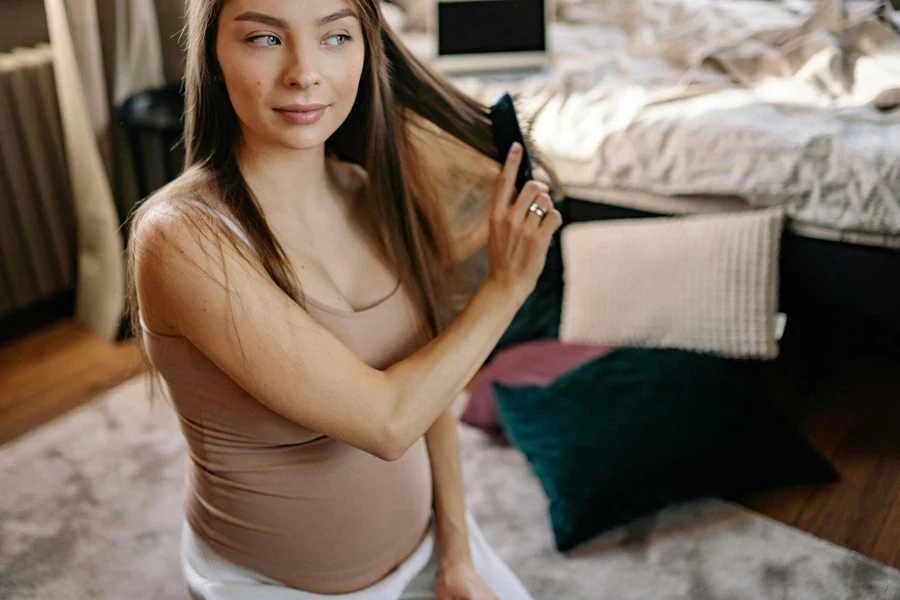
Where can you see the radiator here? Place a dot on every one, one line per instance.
(37, 224)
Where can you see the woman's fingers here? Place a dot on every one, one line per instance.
(506, 182)
(532, 219)
(537, 240)
(529, 194)
(549, 224)
(519, 237)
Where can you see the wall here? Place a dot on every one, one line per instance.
(22, 23)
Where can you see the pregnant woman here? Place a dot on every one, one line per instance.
(288, 288)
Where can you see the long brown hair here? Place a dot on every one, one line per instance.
(400, 106)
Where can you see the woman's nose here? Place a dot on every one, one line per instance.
(303, 71)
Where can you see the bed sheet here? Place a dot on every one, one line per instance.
(790, 104)
(696, 205)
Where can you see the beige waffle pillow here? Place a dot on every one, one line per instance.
(707, 283)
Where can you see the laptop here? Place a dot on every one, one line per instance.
(491, 36)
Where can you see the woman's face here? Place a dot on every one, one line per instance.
(291, 67)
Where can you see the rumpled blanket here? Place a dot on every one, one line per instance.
(791, 104)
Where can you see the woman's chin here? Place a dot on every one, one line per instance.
(300, 141)
(291, 137)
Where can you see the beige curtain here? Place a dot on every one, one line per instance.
(138, 52)
(86, 88)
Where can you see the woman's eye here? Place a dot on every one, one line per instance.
(341, 38)
(264, 40)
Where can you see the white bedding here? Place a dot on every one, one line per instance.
(769, 103)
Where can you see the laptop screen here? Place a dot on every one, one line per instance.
(491, 26)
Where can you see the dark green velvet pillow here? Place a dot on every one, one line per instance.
(539, 316)
(630, 432)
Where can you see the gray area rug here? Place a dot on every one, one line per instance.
(91, 509)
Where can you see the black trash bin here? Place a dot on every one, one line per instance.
(152, 122)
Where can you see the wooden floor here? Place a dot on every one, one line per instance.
(54, 370)
(850, 409)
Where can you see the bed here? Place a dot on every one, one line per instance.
(666, 107)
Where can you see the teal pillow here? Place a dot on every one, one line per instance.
(635, 430)
(539, 316)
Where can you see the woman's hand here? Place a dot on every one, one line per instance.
(519, 238)
(460, 581)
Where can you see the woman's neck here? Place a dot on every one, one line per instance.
(289, 183)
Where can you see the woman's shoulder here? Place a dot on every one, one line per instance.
(174, 232)
(183, 198)
(187, 220)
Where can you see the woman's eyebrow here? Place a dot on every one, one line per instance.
(282, 24)
(345, 12)
(264, 19)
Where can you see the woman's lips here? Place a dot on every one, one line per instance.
(301, 116)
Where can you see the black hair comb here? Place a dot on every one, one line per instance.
(505, 125)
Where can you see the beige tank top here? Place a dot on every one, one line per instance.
(264, 492)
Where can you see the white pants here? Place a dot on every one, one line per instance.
(211, 577)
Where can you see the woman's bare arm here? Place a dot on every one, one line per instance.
(232, 311)
(280, 355)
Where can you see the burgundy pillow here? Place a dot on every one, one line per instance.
(534, 363)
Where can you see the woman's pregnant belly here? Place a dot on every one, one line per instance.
(322, 516)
